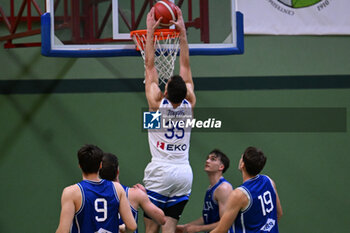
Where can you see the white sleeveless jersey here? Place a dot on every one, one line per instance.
(171, 142)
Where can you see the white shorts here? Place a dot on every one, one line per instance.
(168, 179)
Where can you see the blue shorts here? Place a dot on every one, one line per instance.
(172, 206)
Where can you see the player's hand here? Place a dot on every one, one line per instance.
(190, 228)
(122, 228)
(179, 23)
(152, 24)
(180, 229)
(141, 187)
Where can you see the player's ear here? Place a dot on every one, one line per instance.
(221, 167)
(117, 175)
(100, 165)
(241, 163)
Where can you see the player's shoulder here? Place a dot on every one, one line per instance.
(225, 186)
(71, 192)
(223, 190)
(137, 195)
(117, 186)
(269, 180)
(240, 195)
(71, 188)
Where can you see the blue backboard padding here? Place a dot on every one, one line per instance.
(47, 50)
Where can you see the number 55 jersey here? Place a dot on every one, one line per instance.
(169, 173)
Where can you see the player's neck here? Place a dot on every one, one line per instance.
(246, 176)
(214, 177)
(175, 105)
(91, 177)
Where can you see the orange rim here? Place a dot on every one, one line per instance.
(160, 34)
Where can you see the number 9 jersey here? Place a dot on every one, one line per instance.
(260, 215)
(99, 208)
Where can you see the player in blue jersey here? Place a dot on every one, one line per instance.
(168, 177)
(137, 198)
(216, 196)
(93, 204)
(255, 205)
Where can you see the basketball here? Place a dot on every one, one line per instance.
(165, 9)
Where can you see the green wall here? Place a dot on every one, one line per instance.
(41, 132)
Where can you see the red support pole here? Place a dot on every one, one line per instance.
(87, 19)
(142, 12)
(13, 21)
(6, 21)
(12, 18)
(19, 15)
(204, 17)
(36, 6)
(190, 10)
(132, 13)
(96, 22)
(29, 15)
(104, 22)
(65, 12)
(75, 19)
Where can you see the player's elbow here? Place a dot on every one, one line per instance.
(131, 227)
(158, 216)
(162, 220)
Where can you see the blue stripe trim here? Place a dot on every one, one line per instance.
(82, 199)
(163, 201)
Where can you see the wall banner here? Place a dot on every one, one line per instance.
(296, 17)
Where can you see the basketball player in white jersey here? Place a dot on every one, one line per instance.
(168, 177)
(93, 204)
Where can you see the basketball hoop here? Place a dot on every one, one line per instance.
(166, 44)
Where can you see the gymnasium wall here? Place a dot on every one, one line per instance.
(49, 107)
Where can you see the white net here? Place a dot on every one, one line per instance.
(166, 44)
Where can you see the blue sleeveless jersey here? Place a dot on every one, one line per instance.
(99, 209)
(261, 214)
(133, 211)
(210, 211)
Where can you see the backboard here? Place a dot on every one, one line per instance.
(101, 28)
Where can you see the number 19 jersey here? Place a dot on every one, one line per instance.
(261, 213)
(99, 209)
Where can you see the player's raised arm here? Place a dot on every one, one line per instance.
(153, 92)
(185, 68)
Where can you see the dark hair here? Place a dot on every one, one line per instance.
(90, 157)
(254, 160)
(110, 166)
(177, 89)
(223, 158)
